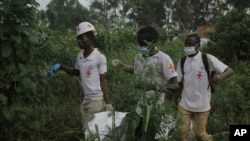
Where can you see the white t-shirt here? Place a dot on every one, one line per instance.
(196, 94)
(156, 69)
(90, 70)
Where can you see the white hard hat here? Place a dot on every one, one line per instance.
(84, 27)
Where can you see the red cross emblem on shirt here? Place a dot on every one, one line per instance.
(171, 67)
(88, 73)
(199, 75)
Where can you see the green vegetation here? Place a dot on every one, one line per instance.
(35, 106)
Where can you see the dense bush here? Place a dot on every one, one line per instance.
(232, 36)
(230, 102)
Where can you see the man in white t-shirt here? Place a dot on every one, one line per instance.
(91, 65)
(153, 69)
(194, 105)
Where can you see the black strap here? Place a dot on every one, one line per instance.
(183, 59)
(205, 62)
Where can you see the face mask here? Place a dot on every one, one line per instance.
(143, 49)
(189, 50)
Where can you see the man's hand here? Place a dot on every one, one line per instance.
(173, 87)
(127, 68)
(116, 63)
(109, 107)
(217, 79)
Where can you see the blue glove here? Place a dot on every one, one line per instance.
(54, 69)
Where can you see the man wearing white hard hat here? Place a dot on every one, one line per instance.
(91, 66)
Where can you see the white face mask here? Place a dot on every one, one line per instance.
(189, 50)
(143, 49)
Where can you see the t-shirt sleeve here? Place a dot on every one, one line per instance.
(78, 57)
(216, 65)
(102, 64)
(179, 72)
(168, 67)
(136, 59)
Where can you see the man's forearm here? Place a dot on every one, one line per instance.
(228, 72)
(127, 68)
(70, 70)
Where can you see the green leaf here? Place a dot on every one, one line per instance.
(3, 98)
(7, 113)
(6, 50)
(27, 83)
(1, 31)
(148, 110)
(22, 67)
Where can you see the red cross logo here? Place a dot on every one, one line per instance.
(88, 73)
(199, 75)
(171, 67)
(89, 25)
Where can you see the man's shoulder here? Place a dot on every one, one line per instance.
(80, 54)
(99, 53)
(138, 55)
(208, 54)
(163, 54)
(210, 57)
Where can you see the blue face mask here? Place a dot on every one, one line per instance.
(143, 49)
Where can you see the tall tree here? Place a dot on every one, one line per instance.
(21, 71)
(146, 12)
(189, 14)
(105, 11)
(64, 14)
(142, 12)
(239, 4)
(182, 14)
(201, 12)
(232, 36)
